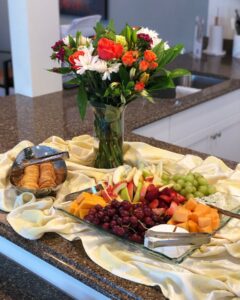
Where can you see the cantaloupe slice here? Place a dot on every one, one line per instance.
(88, 203)
(183, 225)
(207, 229)
(215, 222)
(181, 214)
(73, 208)
(205, 221)
(193, 226)
(190, 204)
(171, 222)
(194, 217)
(83, 213)
(202, 208)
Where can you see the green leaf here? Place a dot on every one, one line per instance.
(78, 37)
(163, 82)
(110, 35)
(130, 85)
(99, 29)
(72, 43)
(158, 48)
(72, 81)
(146, 95)
(61, 70)
(82, 100)
(68, 51)
(111, 26)
(124, 75)
(170, 54)
(179, 73)
(123, 99)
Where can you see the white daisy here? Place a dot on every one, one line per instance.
(66, 40)
(87, 61)
(153, 35)
(114, 68)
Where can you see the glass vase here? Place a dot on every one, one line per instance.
(109, 127)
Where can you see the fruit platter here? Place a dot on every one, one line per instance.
(131, 201)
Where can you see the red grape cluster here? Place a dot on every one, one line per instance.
(125, 219)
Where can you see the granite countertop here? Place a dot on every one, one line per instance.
(24, 118)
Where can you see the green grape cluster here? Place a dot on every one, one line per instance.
(192, 185)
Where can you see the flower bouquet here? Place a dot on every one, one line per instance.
(111, 70)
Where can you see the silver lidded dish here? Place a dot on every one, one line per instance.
(36, 155)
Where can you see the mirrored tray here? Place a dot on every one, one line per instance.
(37, 152)
(173, 254)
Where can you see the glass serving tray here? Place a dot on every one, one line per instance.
(167, 254)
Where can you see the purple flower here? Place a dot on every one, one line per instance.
(60, 54)
(58, 45)
(145, 37)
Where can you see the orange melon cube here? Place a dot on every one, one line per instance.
(207, 229)
(190, 204)
(205, 221)
(213, 211)
(73, 207)
(193, 227)
(83, 213)
(202, 209)
(171, 222)
(194, 217)
(183, 225)
(180, 214)
(215, 222)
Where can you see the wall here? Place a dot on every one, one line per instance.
(173, 19)
(4, 28)
(32, 37)
(226, 12)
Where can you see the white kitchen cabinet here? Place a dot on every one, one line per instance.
(227, 144)
(212, 127)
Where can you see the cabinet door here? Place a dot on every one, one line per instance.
(158, 130)
(202, 145)
(227, 143)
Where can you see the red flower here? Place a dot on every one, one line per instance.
(143, 66)
(108, 49)
(153, 65)
(74, 56)
(139, 86)
(149, 56)
(129, 58)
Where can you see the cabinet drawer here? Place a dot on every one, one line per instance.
(210, 132)
(158, 130)
(204, 115)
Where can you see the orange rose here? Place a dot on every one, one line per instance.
(129, 58)
(143, 66)
(153, 65)
(74, 56)
(108, 49)
(139, 86)
(150, 56)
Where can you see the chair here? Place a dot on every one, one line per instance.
(6, 74)
(85, 25)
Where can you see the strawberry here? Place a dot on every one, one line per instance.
(180, 198)
(152, 192)
(162, 203)
(154, 204)
(170, 211)
(159, 211)
(166, 198)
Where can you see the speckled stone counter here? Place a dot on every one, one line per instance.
(24, 118)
